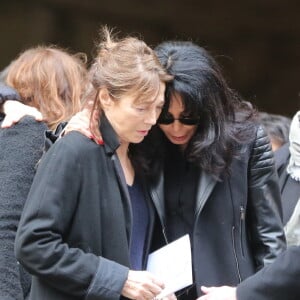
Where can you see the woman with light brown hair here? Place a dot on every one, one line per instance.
(52, 81)
(86, 227)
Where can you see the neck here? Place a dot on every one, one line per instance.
(122, 151)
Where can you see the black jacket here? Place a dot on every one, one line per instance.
(238, 227)
(277, 281)
(74, 234)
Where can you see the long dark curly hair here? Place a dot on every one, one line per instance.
(226, 121)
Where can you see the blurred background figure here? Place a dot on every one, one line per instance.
(284, 134)
(277, 128)
(290, 183)
(287, 160)
(52, 81)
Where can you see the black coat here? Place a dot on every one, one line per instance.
(238, 227)
(277, 281)
(74, 234)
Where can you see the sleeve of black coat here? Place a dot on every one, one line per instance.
(8, 93)
(20, 149)
(47, 215)
(265, 211)
(277, 281)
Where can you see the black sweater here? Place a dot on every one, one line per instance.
(20, 150)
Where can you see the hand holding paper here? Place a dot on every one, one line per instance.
(173, 265)
(142, 285)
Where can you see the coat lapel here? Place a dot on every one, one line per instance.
(157, 196)
(206, 185)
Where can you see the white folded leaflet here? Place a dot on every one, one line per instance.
(173, 265)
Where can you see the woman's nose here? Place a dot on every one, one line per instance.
(176, 125)
(151, 117)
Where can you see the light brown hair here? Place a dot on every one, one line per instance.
(50, 79)
(125, 66)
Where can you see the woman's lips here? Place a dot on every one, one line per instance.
(143, 132)
(179, 138)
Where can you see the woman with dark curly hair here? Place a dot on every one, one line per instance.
(211, 171)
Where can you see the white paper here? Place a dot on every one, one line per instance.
(173, 265)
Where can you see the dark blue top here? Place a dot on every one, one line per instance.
(140, 224)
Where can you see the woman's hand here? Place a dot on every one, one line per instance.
(142, 285)
(82, 122)
(14, 111)
(218, 293)
(170, 297)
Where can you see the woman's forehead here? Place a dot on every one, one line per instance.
(150, 96)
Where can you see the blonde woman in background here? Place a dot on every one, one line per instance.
(51, 80)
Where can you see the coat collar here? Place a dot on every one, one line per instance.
(111, 144)
(111, 141)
